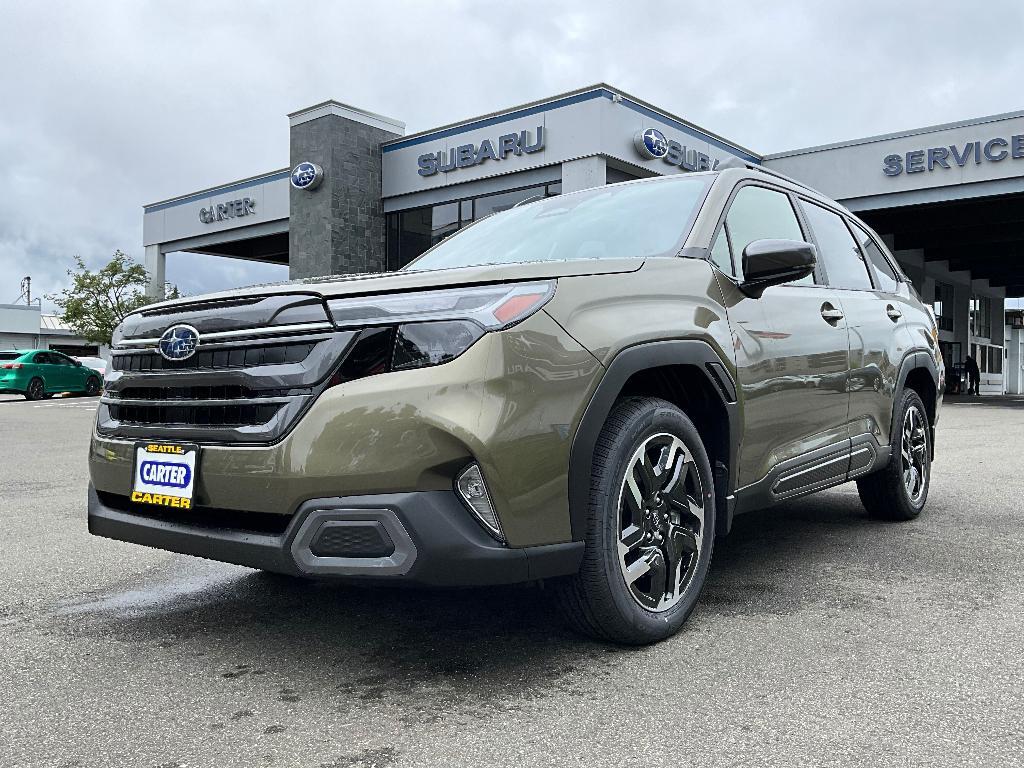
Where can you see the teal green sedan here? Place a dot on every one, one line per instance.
(42, 373)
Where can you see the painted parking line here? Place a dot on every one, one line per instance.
(90, 404)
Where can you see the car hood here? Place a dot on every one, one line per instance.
(414, 280)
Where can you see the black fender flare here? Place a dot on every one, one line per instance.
(626, 363)
(911, 362)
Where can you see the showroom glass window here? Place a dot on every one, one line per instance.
(837, 249)
(413, 231)
(757, 213)
(981, 316)
(943, 306)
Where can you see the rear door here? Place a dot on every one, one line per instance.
(878, 333)
(44, 368)
(791, 354)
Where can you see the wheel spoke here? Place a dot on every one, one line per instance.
(630, 538)
(639, 567)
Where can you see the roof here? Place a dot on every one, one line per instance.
(898, 134)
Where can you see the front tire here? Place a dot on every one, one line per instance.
(92, 387)
(899, 491)
(650, 527)
(36, 390)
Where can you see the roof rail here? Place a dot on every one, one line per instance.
(736, 162)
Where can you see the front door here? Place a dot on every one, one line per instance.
(792, 353)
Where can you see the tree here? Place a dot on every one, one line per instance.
(97, 302)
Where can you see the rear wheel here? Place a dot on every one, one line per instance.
(36, 390)
(899, 491)
(650, 527)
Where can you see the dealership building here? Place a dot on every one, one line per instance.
(359, 195)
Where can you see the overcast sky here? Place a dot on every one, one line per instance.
(106, 106)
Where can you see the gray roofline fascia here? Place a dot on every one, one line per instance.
(213, 190)
(470, 122)
(897, 135)
(332, 106)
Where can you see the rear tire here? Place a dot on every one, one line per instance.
(650, 527)
(36, 390)
(899, 491)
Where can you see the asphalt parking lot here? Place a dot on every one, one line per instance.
(822, 638)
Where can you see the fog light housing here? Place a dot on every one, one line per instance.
(473, 491)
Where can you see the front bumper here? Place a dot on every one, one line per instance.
(430, 539)
(510, 403)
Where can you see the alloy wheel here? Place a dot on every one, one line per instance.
(35, 389)
(660, 522)
(914, 454)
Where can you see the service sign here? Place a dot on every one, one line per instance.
(164, 474)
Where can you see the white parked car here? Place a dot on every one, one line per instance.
(96, 363)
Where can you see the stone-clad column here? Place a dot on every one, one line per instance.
(338, 228)
(156, 269)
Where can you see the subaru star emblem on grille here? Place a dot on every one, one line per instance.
(307, 176)
(179, 342)
(651, 143)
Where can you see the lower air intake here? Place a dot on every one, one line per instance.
(352, 538)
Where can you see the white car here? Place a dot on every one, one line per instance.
(98, 364)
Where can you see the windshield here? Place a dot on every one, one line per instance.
(9, 355)
(637, 220)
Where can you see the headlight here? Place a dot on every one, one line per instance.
(491, 306)
(421, 344)
(415, 330)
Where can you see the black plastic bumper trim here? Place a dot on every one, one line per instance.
(450, 549)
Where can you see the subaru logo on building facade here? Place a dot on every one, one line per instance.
(651, 143)
(307, 176)
(179, 342)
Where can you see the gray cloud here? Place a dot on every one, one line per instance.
(107, 106)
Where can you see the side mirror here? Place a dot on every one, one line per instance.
(78, 363)
(773, 262)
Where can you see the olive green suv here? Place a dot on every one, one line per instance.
(583, 390)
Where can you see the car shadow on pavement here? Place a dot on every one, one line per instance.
(464, 649)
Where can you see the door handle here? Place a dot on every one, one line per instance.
(893, 313)
(831, 314)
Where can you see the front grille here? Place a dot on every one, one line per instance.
(248, 356)
(209, 392)
(245, 383)
(244, 415)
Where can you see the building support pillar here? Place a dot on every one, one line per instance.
(156, 269)
(585, 173)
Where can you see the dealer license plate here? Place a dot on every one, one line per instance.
(164, 474)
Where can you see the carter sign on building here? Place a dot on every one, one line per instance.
(229, 210)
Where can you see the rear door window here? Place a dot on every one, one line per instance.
(885, 275)
(759, 213)
(42, 358)
(837, 249)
